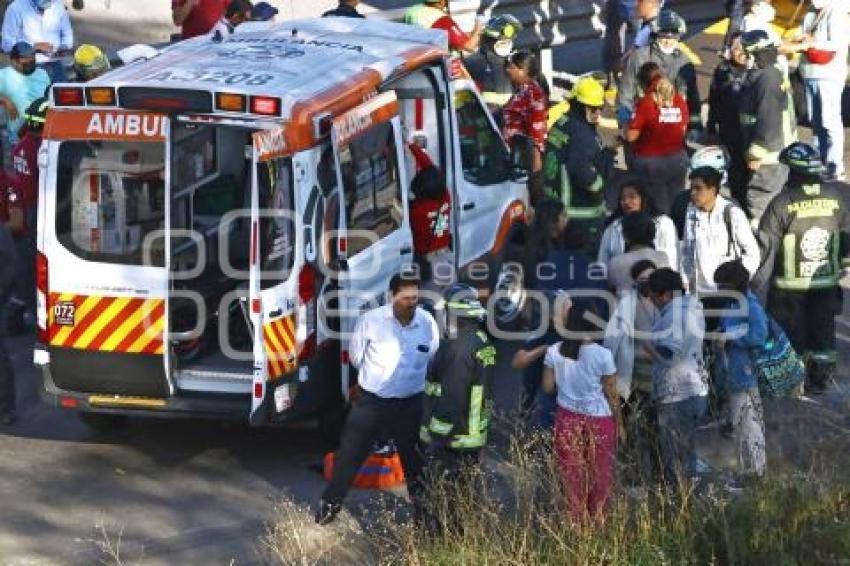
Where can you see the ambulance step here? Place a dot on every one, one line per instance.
(213, 381)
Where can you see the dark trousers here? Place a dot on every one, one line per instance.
(808, 317)
(56, 71)
(371, 419)
(7, 374)
(665, 177)
(25, 285)
(763, 186)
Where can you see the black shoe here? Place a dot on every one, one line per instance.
(327, 512)
(9, 418)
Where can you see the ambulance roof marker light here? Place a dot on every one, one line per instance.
(231, 102)
(68, 96)
(265, 105)
(100, 96)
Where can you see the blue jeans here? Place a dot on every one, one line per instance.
(823, 99)
(56, 71)
(677, 426)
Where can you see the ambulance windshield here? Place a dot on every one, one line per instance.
(110, 198)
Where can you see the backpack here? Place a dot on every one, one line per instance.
(779, 369)
(679, 214)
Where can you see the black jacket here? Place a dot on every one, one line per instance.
(765, 114)
(723, 99)
(805, 233)
(343, 11)
(9, 263)
(458, 394)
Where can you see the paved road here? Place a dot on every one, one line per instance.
(178, 492)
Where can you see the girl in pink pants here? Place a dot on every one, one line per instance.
(588, 418)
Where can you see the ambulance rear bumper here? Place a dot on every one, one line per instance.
(194, 405)
(185, 404)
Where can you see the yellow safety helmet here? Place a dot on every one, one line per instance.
(88, 60)
(589, 91)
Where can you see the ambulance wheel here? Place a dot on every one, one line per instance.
(509, 283)
(103, 423)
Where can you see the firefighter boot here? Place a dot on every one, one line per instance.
(820, 372)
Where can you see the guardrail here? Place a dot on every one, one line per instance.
(552, 23)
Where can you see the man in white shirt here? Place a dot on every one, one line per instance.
(45, 25)
(391, 346)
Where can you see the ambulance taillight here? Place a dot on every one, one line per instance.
(42, 297)
(307, 310)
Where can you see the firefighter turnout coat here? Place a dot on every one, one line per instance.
(806, 234)
(766, 113)
(458, 393)
(576, 165)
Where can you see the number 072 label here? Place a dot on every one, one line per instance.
(63, 313)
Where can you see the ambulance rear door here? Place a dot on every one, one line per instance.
(277, 303)
(104, 283)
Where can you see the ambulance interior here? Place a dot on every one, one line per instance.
(210, 203)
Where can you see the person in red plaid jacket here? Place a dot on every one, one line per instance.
(525, 114)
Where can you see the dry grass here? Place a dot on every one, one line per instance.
(800, 514)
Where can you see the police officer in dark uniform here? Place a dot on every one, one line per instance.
(806, 234)
(767, 123)
(487, 65)
(724, 118)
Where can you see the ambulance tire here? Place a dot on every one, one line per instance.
(103, 423)
(509, 279)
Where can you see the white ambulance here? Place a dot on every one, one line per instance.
(201, 212)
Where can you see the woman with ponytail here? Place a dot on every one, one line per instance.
(657, 134)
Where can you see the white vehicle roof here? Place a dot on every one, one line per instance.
(296, 61)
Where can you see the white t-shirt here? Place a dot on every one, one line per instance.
(579, 382)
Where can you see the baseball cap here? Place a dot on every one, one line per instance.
(22, 49)
(263, 12)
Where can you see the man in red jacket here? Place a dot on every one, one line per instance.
(22, 197)
(430, 214)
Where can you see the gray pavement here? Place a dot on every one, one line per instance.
(186, 492)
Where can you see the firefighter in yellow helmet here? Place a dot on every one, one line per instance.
(576, 164)
(89, 62)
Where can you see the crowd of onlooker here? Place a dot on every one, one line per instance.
(723, 249)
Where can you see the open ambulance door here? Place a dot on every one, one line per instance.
(375, 239)
(278, 314)
(103, 262)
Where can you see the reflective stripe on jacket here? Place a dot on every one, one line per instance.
(458, 395)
